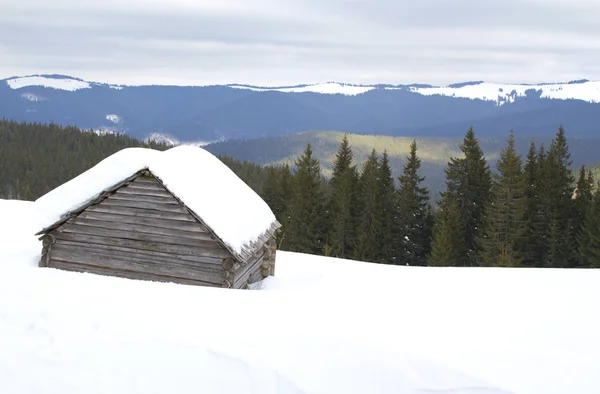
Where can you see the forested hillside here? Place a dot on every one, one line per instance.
(532, 210)
(35, 158)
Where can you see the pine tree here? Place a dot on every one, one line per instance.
(446, 245)
(304, 226)
(342, 202)
(369, 224)
(560, 203)
(544, 211)
(531, 241)
(582, 201)
(413, 213)
(277, 188)
(504, 222)
(468, 183)
(588, 211)
(386, 195)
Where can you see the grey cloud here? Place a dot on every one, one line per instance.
(304, 41)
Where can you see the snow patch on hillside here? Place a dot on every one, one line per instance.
(105, 130)
(506, 93)
(69, 84)
(31, 97)
(114, 118)
(163, 139)
(325, 88)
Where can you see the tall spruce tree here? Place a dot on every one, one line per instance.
(589, 237)
(386, 196)
(468, 184)
(447, 249)
(304, 224)
(504, 219)
(560, 183)
(531, 243)
(342, 202)
(277, 188)
(582, 200)
(413, 213)
(369, 223)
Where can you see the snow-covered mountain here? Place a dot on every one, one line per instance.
(209, 113)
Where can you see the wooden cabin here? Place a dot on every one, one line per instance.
(139, 229)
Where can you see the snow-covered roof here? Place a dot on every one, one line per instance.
(225, 203)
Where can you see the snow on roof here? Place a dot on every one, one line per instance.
(199, 179)
(69, 84)
(325, 88)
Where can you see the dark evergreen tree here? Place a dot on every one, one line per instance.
(468, 183)
(560, 183)
(386, 196)
(504, 219)
(413, 213)
(369, 224)
(447, 249)
(277, 188)
(304, 226)
(589, 237)
(342, 202)
(588, 217)
(531, 243)
(582, 201)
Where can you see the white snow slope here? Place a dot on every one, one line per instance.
(54, 82)
(321, 325)
(501, 93)
(506, 93)
(325, 88)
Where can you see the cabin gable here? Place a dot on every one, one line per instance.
(139, 230)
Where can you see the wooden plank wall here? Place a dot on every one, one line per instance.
(139, 232)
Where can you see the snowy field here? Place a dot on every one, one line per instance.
(320, 326)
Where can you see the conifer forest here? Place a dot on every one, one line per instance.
(533, 211)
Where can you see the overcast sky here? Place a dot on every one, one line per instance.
(280, 42)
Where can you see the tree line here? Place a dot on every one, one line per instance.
(530, 212)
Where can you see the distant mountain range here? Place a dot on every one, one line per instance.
(217, 113)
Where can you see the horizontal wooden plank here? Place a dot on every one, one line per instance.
(134, 264)
(145, 180)
(142, 228)
(203, 263)
(145, 185)
(241, 276)
(169, 200)
(144, 205)
(74, 267)
(217, 253)
(154, 222)
(144, 213)
(123, 234)
(143, 192)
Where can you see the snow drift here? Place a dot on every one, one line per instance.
(322, 325)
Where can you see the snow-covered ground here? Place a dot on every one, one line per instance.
(506, 93)
(321, 325)
(325, 88)
(70, 84)
(501, 93)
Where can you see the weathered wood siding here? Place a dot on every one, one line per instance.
(140, 232)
